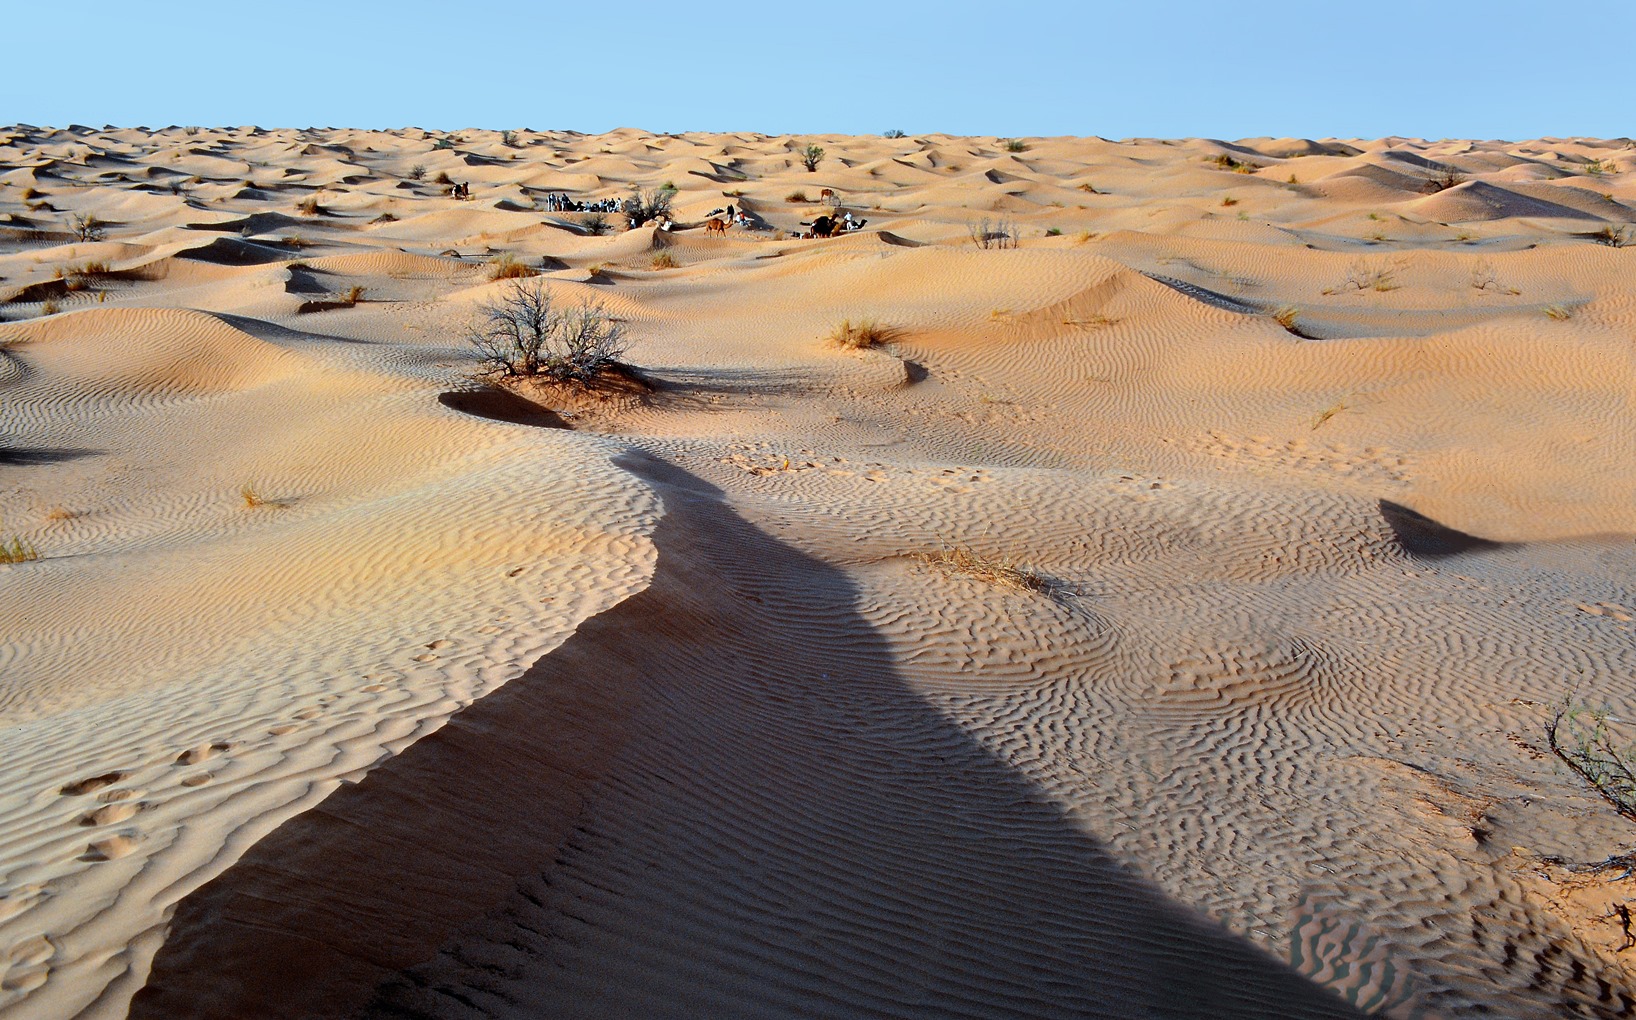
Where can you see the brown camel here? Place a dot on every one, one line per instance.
(716, 226)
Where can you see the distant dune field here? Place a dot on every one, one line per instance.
(1158, 610)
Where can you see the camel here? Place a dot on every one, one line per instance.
(824, 226)
(827, 196)
(716, 226)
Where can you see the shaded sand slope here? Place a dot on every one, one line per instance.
(717, 799)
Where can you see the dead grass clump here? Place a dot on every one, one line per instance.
(1612, 236)
(986, 235)
(1229, 201)
(1000, 572)
(60, 513)
(1363, 275)
(664, 260)
(1557, 313)
(1484, 278)
(506, 267)
(1226, 162)
(1443, 180)
(384, 217)
(1322, 417)
(353, 295)
(861, 335)
(1286, 316)
(1083, 236)
(797, 196)
(49, 307)
(417, 172)
(442, 178)
(309, 206)
(18, 550)
(251, 497)
(88, 228)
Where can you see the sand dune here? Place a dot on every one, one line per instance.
(347, 684)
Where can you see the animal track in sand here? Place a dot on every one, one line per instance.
(109, 814)
(1607, 610)
(93, 784)
(1368, 464)
(204, 752)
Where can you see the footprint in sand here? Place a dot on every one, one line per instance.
(204, 752)
(93, 784)
(198, 779)
(110, 848)
(110, 814)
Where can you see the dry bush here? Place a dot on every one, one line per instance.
(60, 513)
(442, 178)
(417, 172)
(595, 224)
(1286, 317)
(1612, 236)
(251, 497)
(508, 139)
(1484, 278)
(1586, 742)
(384, 217)
(797, 196)
(49, 307)
(811, 156)
(664, 260)
(1362, 275)
(353, 295)
(1226, 162)
(506, 267)
(862, 335)
(643, 205)
(893, 133)
(1558, 313)
(986, 235)
(1083, 236)
(309, 206)
(88, 227)
(1000, 572)
(1322, 417)
(1444, 179)
(1015, 145)
(1229, 201)
(523, 333)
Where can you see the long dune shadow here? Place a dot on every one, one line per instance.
(717, 799)
(25, 456)
(1421, 536)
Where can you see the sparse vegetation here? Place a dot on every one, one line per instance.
(1000, 572)
(1287, 316)
(663, 260)
(986, 235)
(60, 513)
(1054, 232)
(353, 295)
(1319, 419)
(811, 156)
(1362, 275)
(861, 335)
(295, 241)
(87, 227)
(384, 217)
(1600, 167)
(1557, 313)
(797, 196)
(1483, 278)
(1612, 236)
(1088, 189)
(443, 178)
(1445, 179)
(1014, 145)
(893, 133)
(309, 206)
(18, 550)
(1226, 162)
(508, 139)
(594, 224)
(49, 307)
(443, 143)
(1229, 201)
(1084, 236)
(507, 267)
(251, 497)
(523, 333)
(644, 205)
(417, 172)
(1588, 742)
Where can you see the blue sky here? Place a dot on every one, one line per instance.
(1164, 67)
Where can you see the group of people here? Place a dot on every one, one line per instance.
(556, 202)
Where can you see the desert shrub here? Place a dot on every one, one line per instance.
(506, 267)
(49, 307)
(1586, 742)
(1226, 162)
(1362, 275)
(595, 224)
(643, 205)
(811, 156)
(1612, 236)
(985, 234)
(1088, 189)
(1484, 278)
(443, 143)
(797, 196)
(87, 227)
(664, 260)
(1598, 167)
(417, 172)
(353, 295)
(508, 139)
(893, 133)
(309, 206)
(384, 217)
(442, 178)
(1557, 313)
(251, 497)
(1015, 145)
(1054, 232)
(1443, 180)
(1083, 236)
(861, 335)
(999, 571)
(1229, 201)
(523, 333)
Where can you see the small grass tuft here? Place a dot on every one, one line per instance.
(1557, 313)
(1322, 417)
(309, 206)
(797, 196)
(1054, 232)
(251, 497)
(862, 335)
(663, 260)
(1229, 201)
(1286, 316)
(507, 267)
(353, 295)
(998, 571)
(1015, 145)
(60, 513)
(18, 550)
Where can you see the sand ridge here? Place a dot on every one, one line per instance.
(1323, 446)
